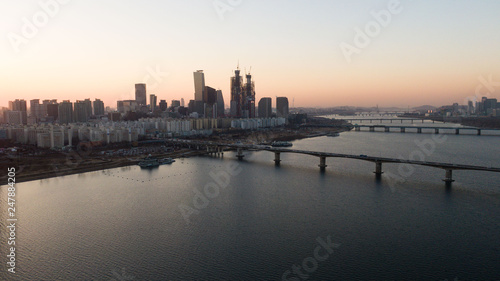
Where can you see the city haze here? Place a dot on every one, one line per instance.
(427, 53)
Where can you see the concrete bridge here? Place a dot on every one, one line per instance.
(380, 120)
(418, 129)
(218, 149)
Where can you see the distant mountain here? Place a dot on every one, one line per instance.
(424, 108)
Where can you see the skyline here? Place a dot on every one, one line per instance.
(427, 53)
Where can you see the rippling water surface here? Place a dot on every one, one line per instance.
(127, 222)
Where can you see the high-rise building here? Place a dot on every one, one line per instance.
(175, 103)
(53, 110)
(152, 102)
(249, 98)
(98, 107)
(199, 85)
(182, 102)
(140, 94)
(210, 104)
(282, 107)
(34, 107)
(220, 104)
(20, 105)
(265, 108)
(13, 117)
(65, 112)
(88, 105)
(242, 96)
(163, 105)
(80, 112)
(236, 94)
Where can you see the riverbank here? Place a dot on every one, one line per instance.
(57, 164)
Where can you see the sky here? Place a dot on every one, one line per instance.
(318, 53)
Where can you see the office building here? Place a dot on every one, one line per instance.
(265, 108)
(199, 85)
(220, 104)
(152, 102)
(282, 107)
(140, 94)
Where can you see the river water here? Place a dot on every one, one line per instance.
(217, 218)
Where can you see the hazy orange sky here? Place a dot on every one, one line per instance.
(427, 52)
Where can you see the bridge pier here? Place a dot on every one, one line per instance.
(448, 177)
(357, 129)
(240, 154)
(387, 129)
(412, 121)
(403, 129)
(372, 129)
(457, 131)
(401, 121)
(478, 132)
(322, 163)
(391, 121)
(277, 159)
(378, 169)
(419, 130)
(436, 131)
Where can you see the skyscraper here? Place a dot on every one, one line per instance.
(242, 96)
(265, 108)
(220, 104)
(249, 98)
(98, 107)
(210, 105)
(152, 102)
(65, 112)
(199, 85)
(236, 94)
(282, 107)
(140, 94)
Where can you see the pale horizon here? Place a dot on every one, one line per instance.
(428, 53)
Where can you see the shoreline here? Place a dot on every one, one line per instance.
(93, 164)
(62, 164)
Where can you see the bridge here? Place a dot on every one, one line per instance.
(418, 129)
(380, 120)
(218, 149)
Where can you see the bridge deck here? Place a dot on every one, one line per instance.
(446, 166)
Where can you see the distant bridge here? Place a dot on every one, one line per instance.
(380, 120)
(218, 149)
(418, 129)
